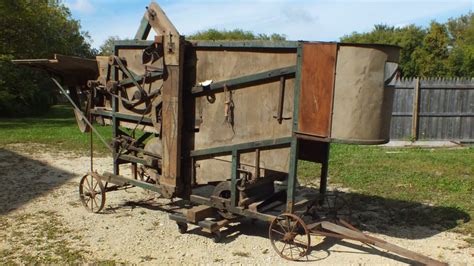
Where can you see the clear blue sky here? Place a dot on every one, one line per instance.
(325, 20)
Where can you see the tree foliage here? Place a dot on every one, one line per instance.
(107, 48)
(443, 50)
(236, 34)
(34, 29)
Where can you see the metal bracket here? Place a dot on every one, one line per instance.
(281, 100)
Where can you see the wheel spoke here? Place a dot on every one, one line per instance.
(329, 205)
(87, 182)
(95, 186)
(278, 232)
(288, 223)
(87, 199)
(298, 248)
(300, 242)
(283, 249)
(97, 205)
(294, 226)
(282, 227)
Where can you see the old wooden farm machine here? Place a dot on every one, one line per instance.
(223, 125)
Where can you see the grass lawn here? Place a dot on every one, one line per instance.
(405, 178)
(399, 177)
(56, 128)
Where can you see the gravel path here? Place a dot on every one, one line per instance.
(42, 220)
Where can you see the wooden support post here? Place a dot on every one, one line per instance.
(171, 128)
(416, 111)
(172, 91)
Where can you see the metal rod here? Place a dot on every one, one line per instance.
(81, 114)
(245, 80)
(291, 181)
(263, 144)
(257, 164)
(281, 100)
(233, 181)
(91, 137)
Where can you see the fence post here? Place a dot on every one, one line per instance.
(416, 111)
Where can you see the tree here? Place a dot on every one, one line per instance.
(107, 48)
(34, 29)
(236, 34)
(444, 50)
(431, 58)
(461, 33)
(409, 38)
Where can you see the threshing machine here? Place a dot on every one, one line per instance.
(223, 125)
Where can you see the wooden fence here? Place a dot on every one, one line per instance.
(433, 109)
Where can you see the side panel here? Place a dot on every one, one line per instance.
(317, 84)
(362, 104)
(253, 111)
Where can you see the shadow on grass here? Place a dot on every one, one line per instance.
(23, 179)
(402, 219)
(30, 123)
(57, 116)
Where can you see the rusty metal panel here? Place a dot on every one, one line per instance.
(317, 84)
(253, 113)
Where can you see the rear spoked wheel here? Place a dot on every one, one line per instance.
(92, 193)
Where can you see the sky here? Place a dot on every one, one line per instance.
(316, 20)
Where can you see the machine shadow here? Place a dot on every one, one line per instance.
(57, 116)
(23, 179)
(402, 219)
(397, 218)
(373, 214)
(322, 250)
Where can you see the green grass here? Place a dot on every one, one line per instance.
(402, 178)
(57, 128)
(399, 178)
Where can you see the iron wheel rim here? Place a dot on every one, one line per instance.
(283, 233)
(92, 193)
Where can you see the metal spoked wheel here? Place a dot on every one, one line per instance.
(289, 236)
(222, 190)
(331, 207)
(92, 193)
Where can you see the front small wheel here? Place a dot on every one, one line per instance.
(289, 236)
(92, 193)
(182, 227)
(217, 236)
